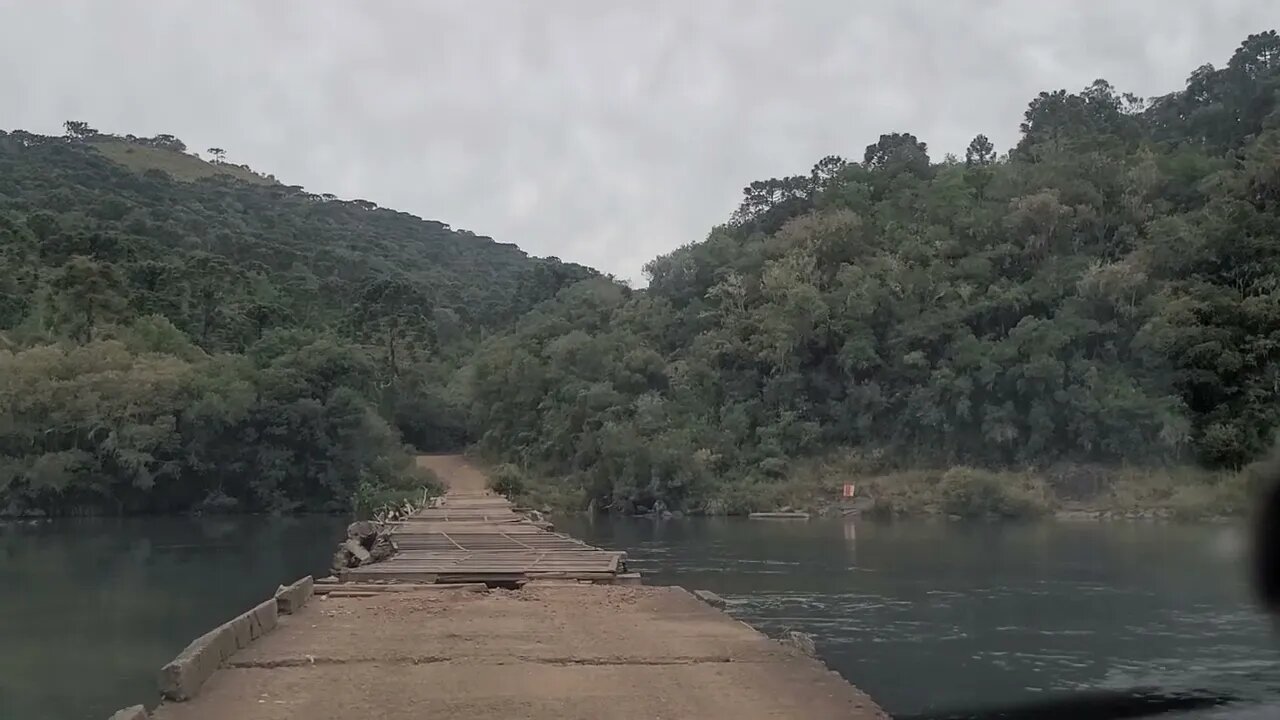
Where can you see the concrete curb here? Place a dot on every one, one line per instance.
(181, 679)
(291, 598)
(711, 599)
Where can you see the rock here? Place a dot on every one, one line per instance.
(137, 712)
(800, 641)
(710, 598)
(357, 550)
(785, 508)
(667, 515)
(659, 507)
(341, 561)
(675, 514)
(381, 551)
(363, 531)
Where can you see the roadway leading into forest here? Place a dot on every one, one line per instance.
(549, 651)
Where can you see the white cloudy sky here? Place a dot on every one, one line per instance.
(601, 132)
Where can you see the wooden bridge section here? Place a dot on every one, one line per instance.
(470, 537)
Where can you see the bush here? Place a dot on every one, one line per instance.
(970, 492)
(507, 480)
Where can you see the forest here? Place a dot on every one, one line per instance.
(997, 332)
(223, 342)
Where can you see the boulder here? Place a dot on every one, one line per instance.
(341, 561)
(364, 532)
(381, 551)
(357, 550)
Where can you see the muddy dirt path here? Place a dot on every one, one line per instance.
(455, 471)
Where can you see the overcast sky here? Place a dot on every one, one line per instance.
(600, 132)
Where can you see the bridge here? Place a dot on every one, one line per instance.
(483, 613)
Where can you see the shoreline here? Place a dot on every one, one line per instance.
(817, 486)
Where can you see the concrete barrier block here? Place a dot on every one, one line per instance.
(710, 598)
(264, 618)
(181, 679)
(291, 598)
(242, 628)
(137, 712)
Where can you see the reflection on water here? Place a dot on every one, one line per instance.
(91, 609)
(933, 616)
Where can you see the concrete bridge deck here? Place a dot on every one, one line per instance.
(552, 650)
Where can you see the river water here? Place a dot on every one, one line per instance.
(923, 616)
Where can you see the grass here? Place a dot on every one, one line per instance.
(180, 166)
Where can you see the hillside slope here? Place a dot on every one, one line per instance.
(177, 333)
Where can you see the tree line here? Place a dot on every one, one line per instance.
(1106, 292)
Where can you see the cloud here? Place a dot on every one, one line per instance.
(602, 133)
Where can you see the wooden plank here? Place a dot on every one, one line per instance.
(479, 536)
(396, 587)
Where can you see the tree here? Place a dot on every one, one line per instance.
(980, 152)
(219, 155)
(78, 130)
(167, 142)
(898, 151)
(88, 293)
(396, 310)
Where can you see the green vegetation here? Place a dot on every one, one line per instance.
(508, 480)
(174, 338)
(1091, 318)
(1107, 294)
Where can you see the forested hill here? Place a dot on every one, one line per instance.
(1001, 332)
(179, 333)
(64, 197)
(1105, 294)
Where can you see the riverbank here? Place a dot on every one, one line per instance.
(816, 486)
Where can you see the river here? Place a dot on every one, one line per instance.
(924, 616)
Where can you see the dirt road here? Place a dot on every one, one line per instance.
(455, 471)
(541, 653)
